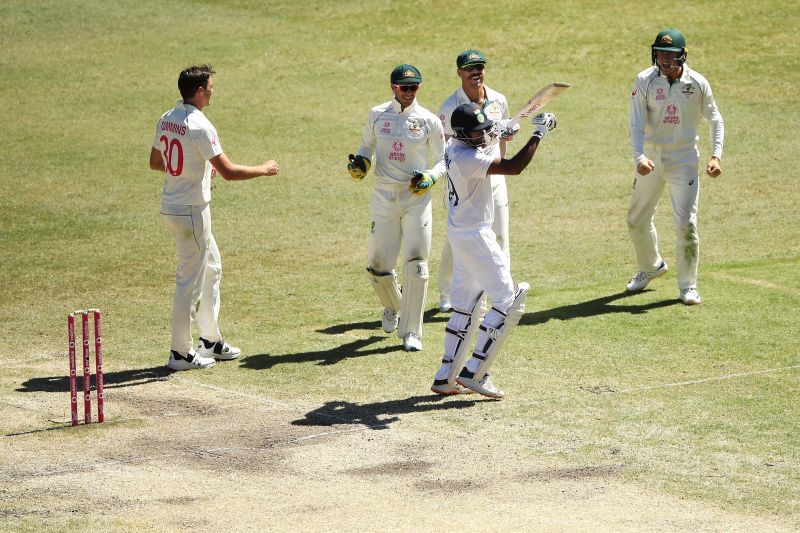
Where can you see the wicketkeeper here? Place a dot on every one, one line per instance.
(406, 144)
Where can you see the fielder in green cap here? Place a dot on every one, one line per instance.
(400, 139)
(471, 72)
(667, 102)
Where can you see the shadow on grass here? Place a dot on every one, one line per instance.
(322, 357)
(377, 415)
(123, 378)
(430, 316)
(598, 306)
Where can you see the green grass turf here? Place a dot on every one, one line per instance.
(588, 369)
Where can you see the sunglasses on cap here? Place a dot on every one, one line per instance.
(477, 66)
(408, 88)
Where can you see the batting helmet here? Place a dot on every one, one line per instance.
(669, 40)
(470, 117)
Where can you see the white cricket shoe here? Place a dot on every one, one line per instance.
(444, 304)
(441, 386)
(690, 296)
(483, 386)
(412, 343)
(390, 320)
(642, 279)
(220, 350)
(179, 361)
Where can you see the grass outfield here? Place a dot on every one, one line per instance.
(695, 403)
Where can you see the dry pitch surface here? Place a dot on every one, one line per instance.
(178, 453)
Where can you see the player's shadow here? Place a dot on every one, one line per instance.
(599, 306)
(377, 415)
(358, 348)
(122, 378)
(430, 316)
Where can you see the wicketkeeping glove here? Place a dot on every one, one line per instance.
(358, 166)
(421, 183)
(542, 123)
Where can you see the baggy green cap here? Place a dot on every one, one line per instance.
(470, 57)
(406, 74)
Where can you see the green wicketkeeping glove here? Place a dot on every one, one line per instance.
(358, 166)
(421, 183)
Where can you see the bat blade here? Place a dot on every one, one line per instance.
(539, 100)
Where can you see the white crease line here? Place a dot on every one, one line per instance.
(235, 393)
(705, 380)
(266, 400)
(326, 433)
(750, 281)
(89, 467)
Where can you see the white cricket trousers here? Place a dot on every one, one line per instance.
(398, 218)
(499, 226)
(479, 264)
(680, 170)
(197, 277)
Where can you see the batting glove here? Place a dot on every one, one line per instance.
(358, 166)
(508, 134)
(542, 123)
(421, 183)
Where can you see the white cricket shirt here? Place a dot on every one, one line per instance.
(186, 140)
(469, 191)
(669, 114)
(398, 142)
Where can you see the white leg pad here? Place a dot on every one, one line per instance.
(465, 337)
(415, 291)
(386, 288)
(490, 339)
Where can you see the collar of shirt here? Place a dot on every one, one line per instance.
(410, 109)
(180, 104)
(488, 99)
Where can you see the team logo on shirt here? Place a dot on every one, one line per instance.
(414, 128)
(660, 94)
(397, 153)
(672, 116)
(688, 90)
(493, 111)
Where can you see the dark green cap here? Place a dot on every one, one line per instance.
(470, 57)
(670, 40)
(406, 75)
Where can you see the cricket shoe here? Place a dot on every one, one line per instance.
(441, 386)
(179, 361)
(444, 304)
(219, 350)
(689, 296)
(482, 386)
(642, 279)
(390, 320)
(412, 343)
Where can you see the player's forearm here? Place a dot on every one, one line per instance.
(518, 163)
(242, 172)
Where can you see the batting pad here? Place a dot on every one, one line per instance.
(415, 290)
(386, 288)
(465, 336)
(490, 339)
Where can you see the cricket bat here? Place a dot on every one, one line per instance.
(539, 100)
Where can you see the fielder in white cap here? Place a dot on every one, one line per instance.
(186, 149)
(406, 144)
(667, 103)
